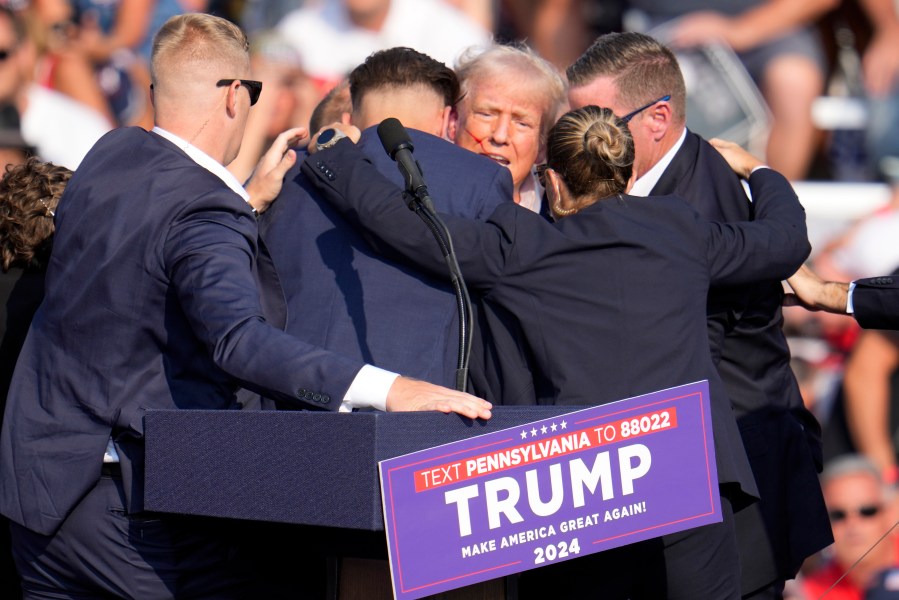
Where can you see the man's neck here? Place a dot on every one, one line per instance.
(647, 180)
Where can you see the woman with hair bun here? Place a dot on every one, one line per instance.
(611, 300)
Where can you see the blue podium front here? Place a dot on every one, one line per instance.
(304, 468)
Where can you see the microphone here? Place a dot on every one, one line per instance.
(398, 145)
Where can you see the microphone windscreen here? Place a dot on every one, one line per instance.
(393, 136)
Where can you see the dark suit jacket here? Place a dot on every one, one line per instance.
(344, 297)
(612, 300)
(152, 301)
(875, 302)
(782, 438)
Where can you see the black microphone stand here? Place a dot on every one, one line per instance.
(420, 203)
(398, 145)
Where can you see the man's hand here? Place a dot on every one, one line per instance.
(813, 293)
(413, 395)
(741, 161)
(268, 177)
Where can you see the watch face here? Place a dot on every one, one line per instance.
(326, 136)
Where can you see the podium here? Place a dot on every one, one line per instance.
(316, 472)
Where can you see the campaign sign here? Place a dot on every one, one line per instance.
(549, 491)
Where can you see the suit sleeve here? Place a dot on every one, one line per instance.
(875, 302)
(374, 205)
(772, 247)
(209, 256)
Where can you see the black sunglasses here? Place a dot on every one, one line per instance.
(253, 87)
(865, 512)
(626, 118)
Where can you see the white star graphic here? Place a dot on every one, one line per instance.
(533, 433)
(524, 434)
(564, 425)
(543, 429)
(553, 426)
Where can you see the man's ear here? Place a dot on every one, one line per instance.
(661, 116)
(445, 122)
(452, 124)
(231, 99)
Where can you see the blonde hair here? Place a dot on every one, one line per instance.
(593, 152)
(199, 42)
(496, 61)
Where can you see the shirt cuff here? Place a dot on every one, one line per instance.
(369, 389)
(849, 308)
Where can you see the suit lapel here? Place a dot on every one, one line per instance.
(679, 168)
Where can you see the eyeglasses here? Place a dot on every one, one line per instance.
(253, 87)
(626, 118)
(865, 512)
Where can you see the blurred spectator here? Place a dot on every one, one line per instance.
(559, 30)
(481, 12)
(261, 15)
(60, 129)
(287, 100)
(116, 36)
(59, 65)
(110, 26)
(861, 513)
(872, 401)
(781, 50)
(14, 150)
(880, 69)
(510, 99)
(334, 36)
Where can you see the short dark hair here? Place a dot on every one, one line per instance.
(331, 107)
(29, 194)
(643, 68)
(403, 67)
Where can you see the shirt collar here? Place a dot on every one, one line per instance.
(530, 193)
(644, 185)
(205, 161)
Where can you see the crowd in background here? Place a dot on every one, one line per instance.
(80, 69)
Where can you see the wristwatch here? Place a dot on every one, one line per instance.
(328, 138)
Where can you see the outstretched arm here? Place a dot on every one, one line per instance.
(346, 178)
(772, 246)
(813, 293)
(760, 24)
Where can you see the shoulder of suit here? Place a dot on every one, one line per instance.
(878, 281)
